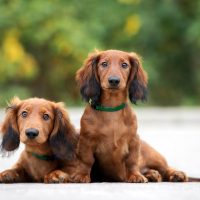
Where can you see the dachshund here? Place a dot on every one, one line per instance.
(108, 132)
(45, 129)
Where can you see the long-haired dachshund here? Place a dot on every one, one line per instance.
(44, 127)
(108, 133)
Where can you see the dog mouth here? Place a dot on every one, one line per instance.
(31, 142)
(111, 88)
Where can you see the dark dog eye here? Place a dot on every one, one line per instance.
(124, 65)
(104, 64)
(46, 117)
(24, 114)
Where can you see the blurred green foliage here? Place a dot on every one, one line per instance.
(43, 43)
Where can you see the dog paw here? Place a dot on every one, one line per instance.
(9, 176)
(57, 176)
(137, 178)
(153, 176)
(177, 176)
(79, 178)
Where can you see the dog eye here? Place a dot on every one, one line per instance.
(104, 64)
(24, 114)
(124, 65)
(46, 117)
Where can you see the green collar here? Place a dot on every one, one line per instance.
(43, 157)
(109, 109)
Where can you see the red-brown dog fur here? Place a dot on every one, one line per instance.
(111, 138)
(56, 137)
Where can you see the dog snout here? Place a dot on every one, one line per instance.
(114, 81)
(31, 133)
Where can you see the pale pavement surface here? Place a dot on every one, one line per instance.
(174, 132)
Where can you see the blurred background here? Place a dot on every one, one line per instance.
(43, 43)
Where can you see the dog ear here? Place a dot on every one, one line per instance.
(9, 129)
(63, 138)
(87, 79)
(137, 80)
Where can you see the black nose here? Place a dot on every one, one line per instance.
(31, 133)
(114, 81)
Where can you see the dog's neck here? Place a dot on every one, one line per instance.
(112, 98)
(43, 149)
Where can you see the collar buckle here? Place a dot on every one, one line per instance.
(90, 101)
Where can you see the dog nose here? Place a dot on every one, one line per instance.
(114, 80)
(32, 133)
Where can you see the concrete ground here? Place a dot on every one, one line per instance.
(174, 132)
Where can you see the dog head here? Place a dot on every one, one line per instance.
(112, 70)
(35, 122)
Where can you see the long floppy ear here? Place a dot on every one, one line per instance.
(63, 138)
(137, 80)
(9, 128)
(86, 77)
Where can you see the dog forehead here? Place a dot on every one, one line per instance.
(36, 103)
(114, 54)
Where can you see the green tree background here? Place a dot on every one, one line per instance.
(43, 43)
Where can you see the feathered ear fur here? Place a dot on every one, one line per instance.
(63, 138)
(137, 80)
(86, 77)
(9, 128)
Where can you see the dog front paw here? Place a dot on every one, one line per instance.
(9, 176)
(136, 178)
(79, 178)
(57, 176)
(177, 176)
(153, 176)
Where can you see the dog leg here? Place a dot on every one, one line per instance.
(173, 175)
(15, 175)
(132, 165)
(57, 176)
(152, 159)
(86, 160)
(153, 175)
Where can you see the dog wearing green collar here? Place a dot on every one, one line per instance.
(108, 136)
(48, 136)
